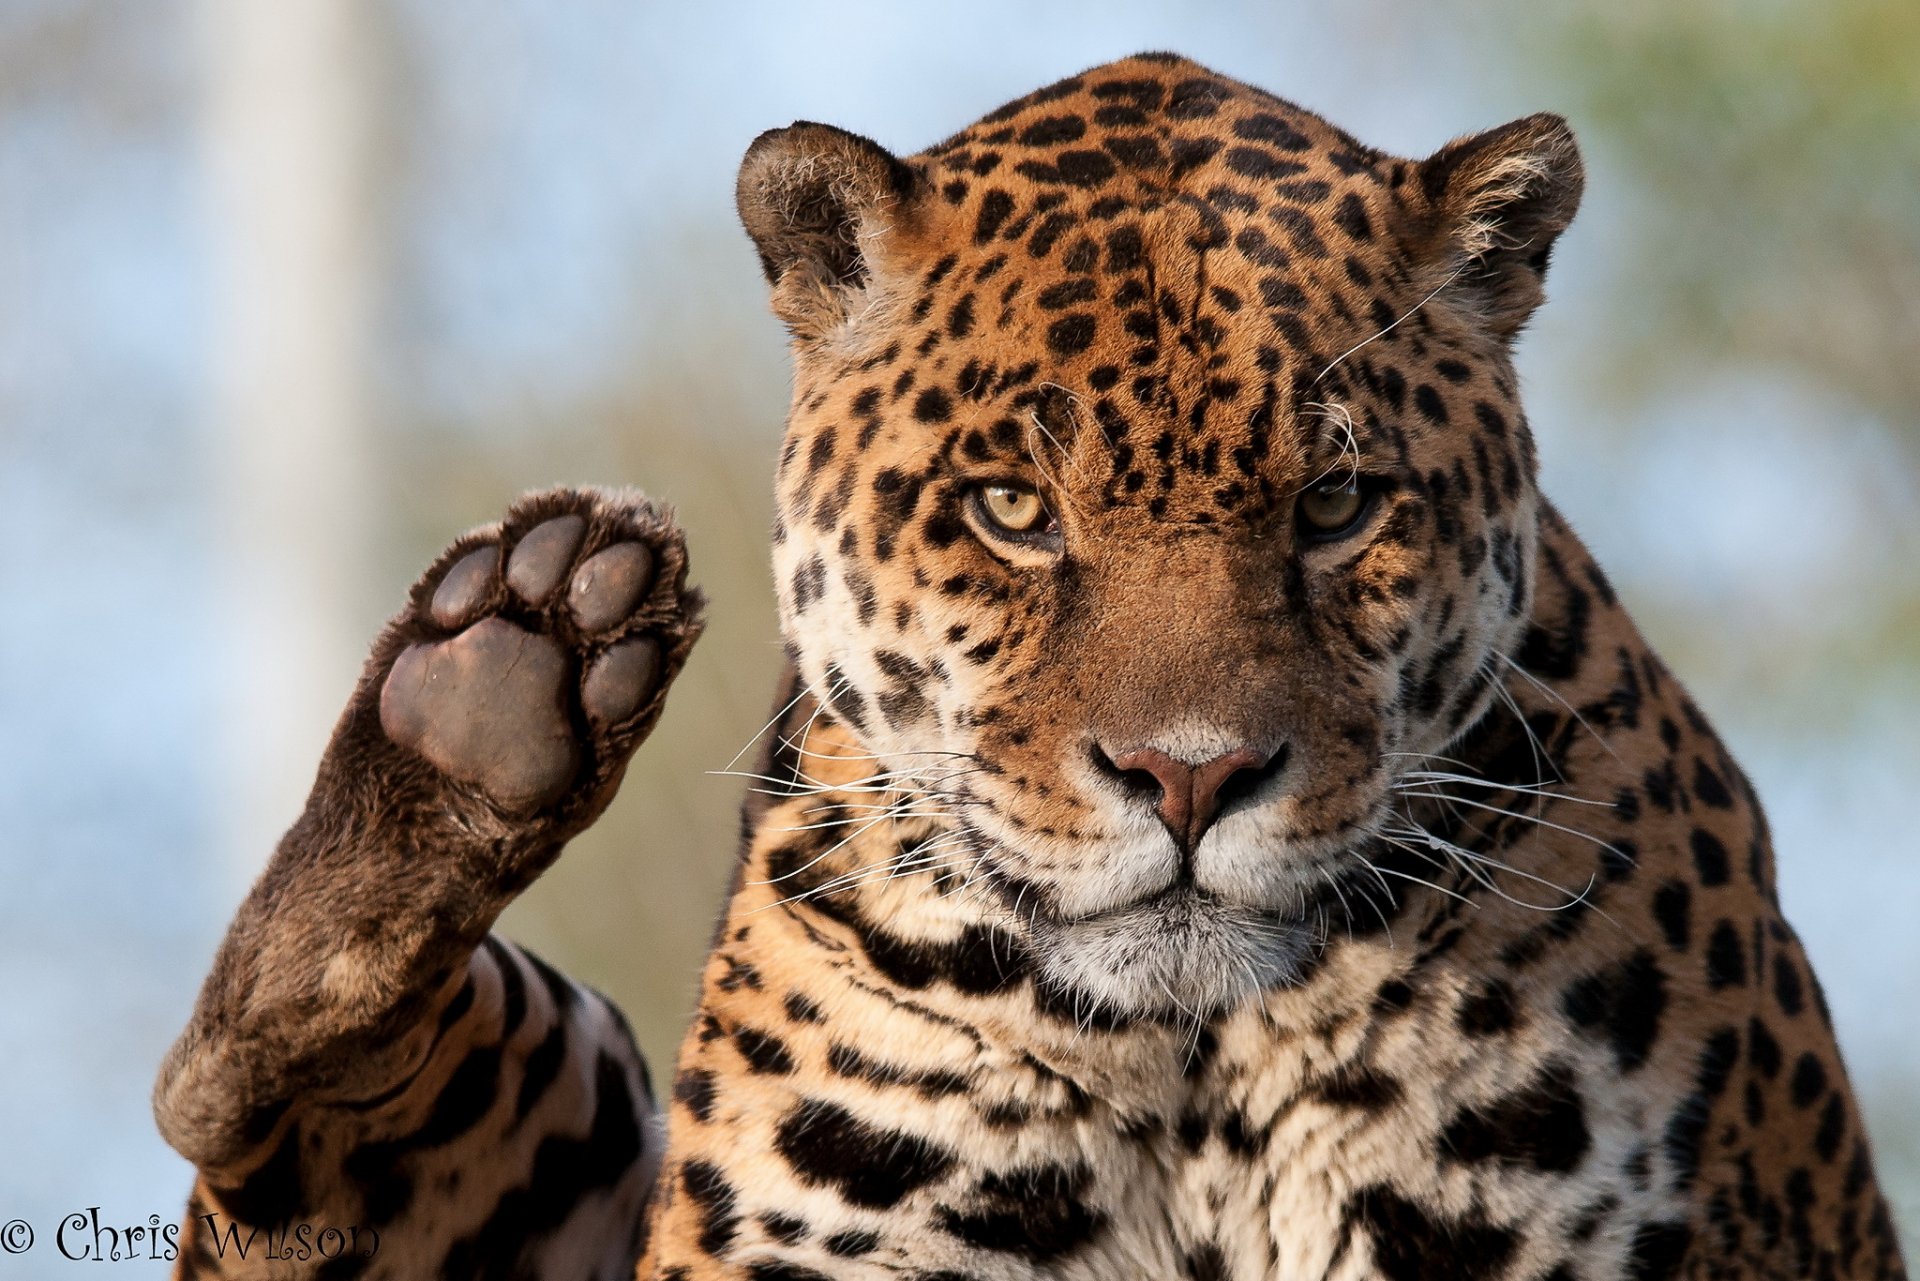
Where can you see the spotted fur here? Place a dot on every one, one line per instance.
(1176, 889)
(1480, 974)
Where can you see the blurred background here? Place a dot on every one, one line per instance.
(293, 292)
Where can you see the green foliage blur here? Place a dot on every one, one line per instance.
(1801, 122)
(1766, 162)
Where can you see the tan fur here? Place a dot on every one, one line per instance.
(1484, 982)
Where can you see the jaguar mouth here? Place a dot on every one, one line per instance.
(1281, 894)
(1181, 952)
(1181, 901)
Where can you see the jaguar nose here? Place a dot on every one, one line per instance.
(1189, 797)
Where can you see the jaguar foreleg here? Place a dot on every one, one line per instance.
(371, 1084)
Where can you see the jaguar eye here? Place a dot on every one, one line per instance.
(1331, 509)
(1015, 509)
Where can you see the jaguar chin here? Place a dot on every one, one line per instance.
(1185, 953)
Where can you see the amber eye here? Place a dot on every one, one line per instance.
(1013, 508)
(1330, 509)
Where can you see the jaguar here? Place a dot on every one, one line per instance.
(1218, 821)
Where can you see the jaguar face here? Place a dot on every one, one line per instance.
(1155, 493)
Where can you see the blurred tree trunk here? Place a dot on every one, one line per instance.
(288, 129)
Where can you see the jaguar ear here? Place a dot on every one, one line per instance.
(818, 201)
(1499, 200)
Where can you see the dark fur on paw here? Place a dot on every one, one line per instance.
(536, 653)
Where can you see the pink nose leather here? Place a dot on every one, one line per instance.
(1190, 794)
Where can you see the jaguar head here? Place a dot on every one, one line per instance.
(1156, 492)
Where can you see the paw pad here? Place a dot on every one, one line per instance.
(484, 708)
(464, 590)
(619, 679)
(540, 559)
(500, 703)
(605, 588)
